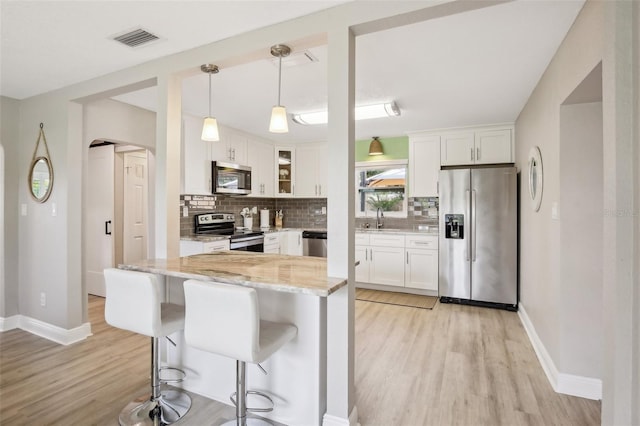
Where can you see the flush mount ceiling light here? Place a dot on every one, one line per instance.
(278, 122)
(363, 112)
(210, 126)
(375, 146)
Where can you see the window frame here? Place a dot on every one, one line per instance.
(384, 164)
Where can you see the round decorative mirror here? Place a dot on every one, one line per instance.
(40, 179)
(535, 177)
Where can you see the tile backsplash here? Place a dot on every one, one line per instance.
(299, 212)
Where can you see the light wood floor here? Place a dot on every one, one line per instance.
(451, 365)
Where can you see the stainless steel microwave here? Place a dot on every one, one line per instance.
(229, 178)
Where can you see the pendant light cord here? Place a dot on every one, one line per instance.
(209, 94)
(279, 77)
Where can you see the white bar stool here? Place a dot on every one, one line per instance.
(134, 303)
(225, 319)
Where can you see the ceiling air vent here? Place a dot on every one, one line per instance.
(136, 38)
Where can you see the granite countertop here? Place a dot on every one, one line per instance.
(290, 274)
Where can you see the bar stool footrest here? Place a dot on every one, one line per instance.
(182, 375)
(256, 409)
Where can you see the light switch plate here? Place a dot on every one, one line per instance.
(554, 210)
(185, 211)
(23, 209)
(54, 209)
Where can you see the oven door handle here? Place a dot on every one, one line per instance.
(259, 240)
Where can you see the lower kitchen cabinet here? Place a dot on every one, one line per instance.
(291, 243)
(387, 266)
(189, 247)
(421, 269)
(400, 260)
(381, 259)
(272, 243)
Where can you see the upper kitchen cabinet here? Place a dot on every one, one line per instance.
(260, 159)
(424, 165)
(196, 158)
(285, 159)
(311, 161)
(480, 145)
(231, 148)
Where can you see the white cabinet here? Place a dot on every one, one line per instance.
(291, 243)
(421, 269)
(311, 163)
(285, 162)
(381, 259)
(272, 243)
(260, 159)
(424, 165)
(481, 145)
(457, 148)
(494, 146)
(231, 148)
(196, 158)
(409, 261)
(189, 247)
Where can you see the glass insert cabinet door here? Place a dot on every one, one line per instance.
(285, 159)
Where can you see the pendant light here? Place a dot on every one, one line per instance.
(210, 125)
(375, 147)
(278, 122)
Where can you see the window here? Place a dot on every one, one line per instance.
(381, 184)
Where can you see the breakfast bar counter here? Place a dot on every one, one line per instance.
(291, 289)
(293, 274)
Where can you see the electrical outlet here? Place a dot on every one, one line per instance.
(43, 299)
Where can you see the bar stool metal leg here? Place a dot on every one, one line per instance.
(161, 407)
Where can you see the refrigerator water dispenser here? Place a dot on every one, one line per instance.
(454, 226)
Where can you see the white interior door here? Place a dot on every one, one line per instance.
(99, 218)
(136, 184)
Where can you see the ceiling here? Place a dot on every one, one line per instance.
(478, 67)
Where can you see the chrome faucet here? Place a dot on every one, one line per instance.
(379, 216)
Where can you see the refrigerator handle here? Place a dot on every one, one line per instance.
(467, 200)
(473, 224)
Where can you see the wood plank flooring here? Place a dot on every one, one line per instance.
(454, 365)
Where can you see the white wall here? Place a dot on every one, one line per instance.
(115, 121)
(9, 139)
(603, 32)
(541, 285)
(581, 199)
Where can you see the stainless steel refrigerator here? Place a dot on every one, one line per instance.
(478, 236)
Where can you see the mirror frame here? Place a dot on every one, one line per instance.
(47, 194)
(534, 164)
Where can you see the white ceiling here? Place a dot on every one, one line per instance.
(478, 67)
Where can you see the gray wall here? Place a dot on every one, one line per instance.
(9, 139)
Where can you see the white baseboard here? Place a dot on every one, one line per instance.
(46, 330)
(10, 323)
(329, 420)
(568, 384)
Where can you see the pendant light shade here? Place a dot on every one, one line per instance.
(278, 123)
(375, 147)
(210, 126)
(210, 130)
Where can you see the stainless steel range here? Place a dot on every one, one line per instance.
(225, 224)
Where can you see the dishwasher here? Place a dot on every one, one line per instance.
(314, 243)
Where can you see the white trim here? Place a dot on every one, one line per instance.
(568, 384)
(10, 323)
(330, 420)
(46, 330)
